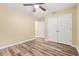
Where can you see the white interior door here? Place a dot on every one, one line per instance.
(52, 27)
(41, 30)
(65, 29)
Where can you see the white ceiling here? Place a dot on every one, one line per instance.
(50, 7)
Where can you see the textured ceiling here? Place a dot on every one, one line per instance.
(50, 7)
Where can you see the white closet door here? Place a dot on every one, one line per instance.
(65, 29)
(52, 27)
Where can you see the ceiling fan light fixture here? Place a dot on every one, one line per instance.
(36, 6)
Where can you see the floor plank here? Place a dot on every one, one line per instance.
(37, 48)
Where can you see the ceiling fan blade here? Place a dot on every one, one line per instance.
(42, 8)
(28, 4)
(40, 3)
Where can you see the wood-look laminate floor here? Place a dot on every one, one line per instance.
(36, 48)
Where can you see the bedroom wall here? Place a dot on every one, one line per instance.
(78, 25)
(74, 23)
(15, 26)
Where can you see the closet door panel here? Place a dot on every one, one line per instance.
(52, 27)
(61, 36)
(65, 29)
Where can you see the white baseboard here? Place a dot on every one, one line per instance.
(6, 46)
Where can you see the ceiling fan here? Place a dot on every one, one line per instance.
(35, 5)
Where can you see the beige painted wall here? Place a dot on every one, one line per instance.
(78, 26)
(15, 26)
(74, 22)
